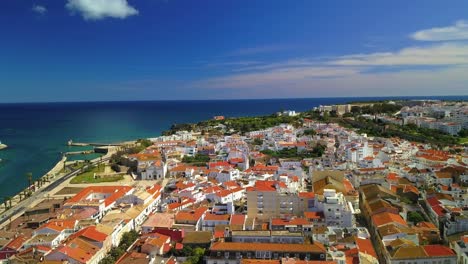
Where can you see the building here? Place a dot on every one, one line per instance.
(337, 211)
(267, 199)
(101, 198)
(461, 249)
(234, 252)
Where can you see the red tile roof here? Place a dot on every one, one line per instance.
(238, 219)
(365, 246)
(235, 246)
(438, 251)
(215, 217)
(59, 225)
(190, 215)
(314, 215)
(16, 243)
(267, 186)
(91, 233)
(293, 221)
(115, 193)
(387, 218)
(307, 194)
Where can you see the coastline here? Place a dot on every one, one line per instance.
(51, 177)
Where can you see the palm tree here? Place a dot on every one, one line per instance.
(5, 201)
(29, 176)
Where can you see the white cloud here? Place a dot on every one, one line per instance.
(458, 31)
(342, 81)
(353, 75)
(39, 9)
(278, 76)
(443, 54)
(99, 9)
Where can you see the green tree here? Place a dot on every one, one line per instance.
(310, 132)
(29, 176)
(415, 217)
(463, 132)
(107, 260)
(196, 256)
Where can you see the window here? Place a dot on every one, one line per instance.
(226, 254)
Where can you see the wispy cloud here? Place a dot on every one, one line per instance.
(443, 54)
(39, 9)
(99, 9)
(231, 64)
(354, 74)
(458, 31)
(276, 77)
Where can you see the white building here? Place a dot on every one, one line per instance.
(155, 171)
(337, 211)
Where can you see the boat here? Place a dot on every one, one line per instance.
(2, 146)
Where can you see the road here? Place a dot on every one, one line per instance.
(22, 206)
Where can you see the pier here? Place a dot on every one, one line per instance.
(79, 152)
(83, 144)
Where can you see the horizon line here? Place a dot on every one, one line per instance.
(234, 99)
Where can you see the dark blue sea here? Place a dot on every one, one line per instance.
(37, 133)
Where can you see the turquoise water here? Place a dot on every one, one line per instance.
(38, 133)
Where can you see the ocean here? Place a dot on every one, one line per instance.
(37, 133)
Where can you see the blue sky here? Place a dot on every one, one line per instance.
(93, 50)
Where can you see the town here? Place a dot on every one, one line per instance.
(291, 188)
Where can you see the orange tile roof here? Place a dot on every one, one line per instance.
(81, 252)
(91, 233)
(307, 194)
(236, 246)
(393, 176)
(267, 186)
(260, 168)
(365, 246)
(426, 225)
(215, 217)
(43, 248)
(154, 190)
(190, 215)
(438, 251)
(387, 218)
(16, 243)
(59, 225)
(297, 261)
(292, 221)
(238, 219)
(115, 191)
(314, 215)
(157, 239)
